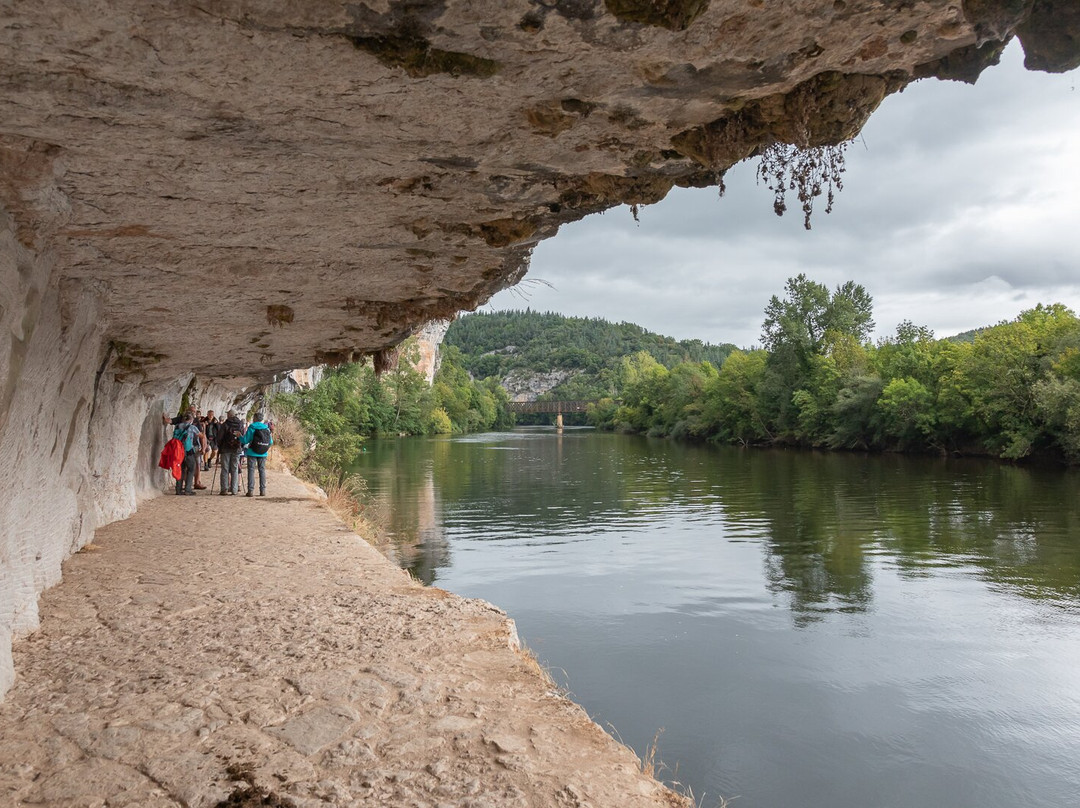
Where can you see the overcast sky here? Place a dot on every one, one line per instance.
(960, 208)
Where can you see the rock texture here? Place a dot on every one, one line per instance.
(527, 385)
(229, 190)
(277, 659)
(295, 380)
(428, 340)
(340, 173)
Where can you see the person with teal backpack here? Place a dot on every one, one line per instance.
(188, 434)
(257, 442)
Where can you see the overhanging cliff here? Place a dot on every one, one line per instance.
(232, 189)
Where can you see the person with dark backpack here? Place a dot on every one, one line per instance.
(229, 435)
(257, 442)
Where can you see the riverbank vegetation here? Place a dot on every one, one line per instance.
(351, 403)
(1011, 390)
(321, 431)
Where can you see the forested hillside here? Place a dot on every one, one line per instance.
(499, 343)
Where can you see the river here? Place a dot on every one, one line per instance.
(808, 630)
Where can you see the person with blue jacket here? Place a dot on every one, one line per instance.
(257, 442)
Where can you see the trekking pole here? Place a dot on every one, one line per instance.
(215, 474)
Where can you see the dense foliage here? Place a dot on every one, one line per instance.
(1012, 390)
(351, 403)
(497, 343)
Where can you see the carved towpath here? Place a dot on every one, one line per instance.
(256, 651)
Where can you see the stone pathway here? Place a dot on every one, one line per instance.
(217, 651)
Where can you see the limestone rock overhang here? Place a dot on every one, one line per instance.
(247, 187)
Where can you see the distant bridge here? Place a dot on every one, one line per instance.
(550, 406)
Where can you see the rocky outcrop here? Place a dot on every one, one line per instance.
(428, 340)
(297, 380)
(528, 385)
(231, 190)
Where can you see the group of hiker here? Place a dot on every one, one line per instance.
(198, 440)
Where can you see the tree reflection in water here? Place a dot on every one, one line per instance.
(822, 518)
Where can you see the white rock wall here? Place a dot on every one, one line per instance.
(428, 340)
(78, 449)
(47, 375)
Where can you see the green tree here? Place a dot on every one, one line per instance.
(1057, 401)
(910, 354)
(808, 312)
(907, 413)
(799, 321)
(855, 417)
(408, 392)
(643, 388)
(679, 413)
(731, 407)
(807, 324)
(471, 406)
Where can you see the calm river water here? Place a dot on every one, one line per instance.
(809, 630)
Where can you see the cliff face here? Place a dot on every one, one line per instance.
(236, 188)
(428, 340)
(524, 385)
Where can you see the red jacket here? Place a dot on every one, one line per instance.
(172, 456)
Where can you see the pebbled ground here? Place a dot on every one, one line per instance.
(231, 651)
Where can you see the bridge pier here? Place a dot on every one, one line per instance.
(558, 422)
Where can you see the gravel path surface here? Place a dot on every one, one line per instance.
(231, 651)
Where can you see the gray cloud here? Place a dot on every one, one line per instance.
(959, 209)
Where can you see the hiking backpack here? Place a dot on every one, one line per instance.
(184, 434)
(260, 441)
(228, 439)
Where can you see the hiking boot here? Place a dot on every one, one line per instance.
(222, 493)
(262, 493)
(249, 494)
(200, 487)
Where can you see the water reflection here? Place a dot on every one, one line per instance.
(828, 631)
(827, 523)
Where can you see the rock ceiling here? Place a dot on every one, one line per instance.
(248, 187)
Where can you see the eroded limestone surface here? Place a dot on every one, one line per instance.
(231, 189)
(213, 646)
(341, 172)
